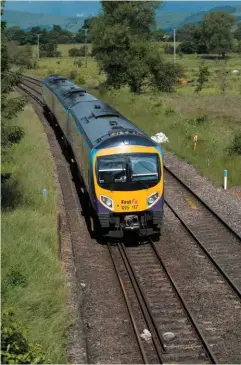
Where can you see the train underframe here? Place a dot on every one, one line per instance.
(145, 223)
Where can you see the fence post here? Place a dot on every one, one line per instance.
(225, 179)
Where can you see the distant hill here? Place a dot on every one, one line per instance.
(198, 17)
(27, 20)
(166, 20)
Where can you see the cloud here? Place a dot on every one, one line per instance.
(79, 15)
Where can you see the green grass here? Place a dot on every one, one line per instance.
(150, 111)
(222, 119)
(32, 278)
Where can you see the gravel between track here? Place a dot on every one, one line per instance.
(226, 203)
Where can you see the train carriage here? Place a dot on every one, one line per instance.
(122, 168)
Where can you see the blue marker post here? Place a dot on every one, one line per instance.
(225, 179)
(44, 193)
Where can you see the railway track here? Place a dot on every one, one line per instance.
(156, 304)
(31, 90)
(154, 299)
(220, 243)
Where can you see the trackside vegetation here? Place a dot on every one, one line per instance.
(34, 293)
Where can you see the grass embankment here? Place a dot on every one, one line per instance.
(32, 280)
(181, 115)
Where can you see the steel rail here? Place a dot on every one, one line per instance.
(236, 290)
(30, 94)
(28, 79)
(187, 310)
(236, 234)
(143, 354)
(31, 78)
(30, 87)
(144, 307)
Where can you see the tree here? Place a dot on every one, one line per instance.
(49, 49)
(76, 52)
(169, 49)
(21, 56)
(16, 34)
(60, 35)
(237, 32)
(163, 75)
(202, 77)
(121, 46)
(186, 32)
(80, 35)
(238, 47)
(10, 106)
(192, 39)
(139, 16)
(111, 45)
(158, 35)
(187, 47)
(216, 30)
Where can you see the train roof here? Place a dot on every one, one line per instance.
(103, 125)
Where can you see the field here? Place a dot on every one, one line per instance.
(215, 118)
(32, 279)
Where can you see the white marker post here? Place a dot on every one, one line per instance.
(225, 179)
(44, 193)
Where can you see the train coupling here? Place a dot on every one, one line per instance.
(131, 222)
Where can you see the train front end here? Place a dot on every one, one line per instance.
(129, 189)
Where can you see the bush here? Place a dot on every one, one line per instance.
(21, 56)
(202, 77)
(237, 47)
(223, 79)
(165, 75)
(169, 49)
(73, 74)
(78, 62)
(80, 80)
(49, 50)
(15, 348)
(186, 47)
(77, 52)
(235, 146)
(169, 110)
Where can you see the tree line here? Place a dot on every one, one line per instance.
(58, 35)
(123, 40)
(55, 35)
(214, 35)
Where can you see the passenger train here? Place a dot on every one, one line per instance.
(121, 167)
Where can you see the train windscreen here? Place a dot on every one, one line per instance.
(128, 172)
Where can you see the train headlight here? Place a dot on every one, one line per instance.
(152, 199)
(106, 201)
